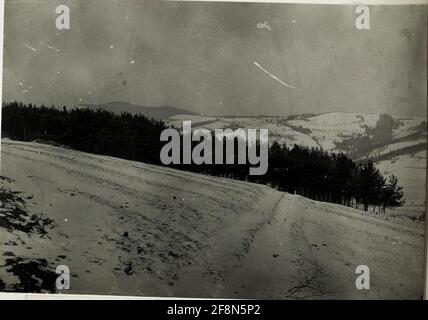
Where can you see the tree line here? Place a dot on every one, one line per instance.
(310, 172)
(132, 137)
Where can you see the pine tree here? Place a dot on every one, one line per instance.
(392, 194)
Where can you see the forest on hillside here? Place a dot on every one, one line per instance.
(313, 173)
(380, 135)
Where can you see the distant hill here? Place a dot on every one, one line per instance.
(158, 113)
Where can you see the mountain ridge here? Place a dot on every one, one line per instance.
(157, 113)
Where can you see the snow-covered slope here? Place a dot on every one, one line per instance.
(124, 227)
(324, 130)
(329, 130)
(278, 128)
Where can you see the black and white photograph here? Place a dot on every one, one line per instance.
(197, 149)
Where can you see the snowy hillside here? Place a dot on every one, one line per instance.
(124, 227)
(324, 130)
(339, 132)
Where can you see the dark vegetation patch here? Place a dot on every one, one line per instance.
(410, 150)
(3, 178)
(35, 276)
(381, 135)
(2, 285)
(303, 116)
(300, 129)
(360, 118)
(14, 216)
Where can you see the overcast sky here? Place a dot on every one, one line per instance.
(213, 58)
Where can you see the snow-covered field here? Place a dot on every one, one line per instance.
(124, 227)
